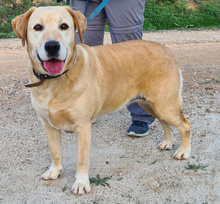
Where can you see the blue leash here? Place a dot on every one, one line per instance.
(95, 12)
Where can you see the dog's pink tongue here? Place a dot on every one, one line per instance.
(53, 66)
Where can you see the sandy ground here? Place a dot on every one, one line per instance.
(140, 173)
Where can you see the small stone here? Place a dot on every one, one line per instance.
(207, 110)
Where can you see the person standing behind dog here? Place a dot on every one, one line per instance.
(125, 19)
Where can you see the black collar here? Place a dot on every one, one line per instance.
(42, 77)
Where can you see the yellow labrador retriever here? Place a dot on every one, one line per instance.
(73, 83)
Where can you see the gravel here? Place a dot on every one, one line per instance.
(140, 173)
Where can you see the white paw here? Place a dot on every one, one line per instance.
(81, 185)
(52, 173)
(182, 154)
(165, 145)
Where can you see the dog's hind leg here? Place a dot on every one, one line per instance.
(168, 143)
(54, 138)
(173, 115)
(170, 113)
(185, 148)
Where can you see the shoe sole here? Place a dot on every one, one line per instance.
(137, 135)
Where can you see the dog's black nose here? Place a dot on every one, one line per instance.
(52, 47)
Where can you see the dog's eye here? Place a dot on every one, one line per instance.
(38, 27)
(64, 26)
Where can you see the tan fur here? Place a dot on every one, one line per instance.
(99, 80)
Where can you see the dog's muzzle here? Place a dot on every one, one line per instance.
(53, 65)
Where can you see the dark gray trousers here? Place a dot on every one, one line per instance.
(125, 18)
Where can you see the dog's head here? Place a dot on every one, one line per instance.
(50, 36)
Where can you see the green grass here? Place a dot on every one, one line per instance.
(196, 167)
(9, 9)
(64, 187)
(158, 14)
(7, 35)
(100, 181)
(164, 15)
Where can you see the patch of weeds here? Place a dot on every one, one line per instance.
(168, 199)
(119, 179)
(7, 35)
(208, 81)
(195, 167)
(100, 181)
(9, 9)
(154, 162)
(64, 187)
(172, 14)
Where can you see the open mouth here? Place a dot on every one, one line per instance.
(52, 66)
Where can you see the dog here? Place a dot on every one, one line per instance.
(72, 84)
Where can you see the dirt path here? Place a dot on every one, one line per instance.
(143, 174)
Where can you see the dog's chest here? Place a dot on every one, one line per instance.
(40, 104)
(57, 113)
(60, 115)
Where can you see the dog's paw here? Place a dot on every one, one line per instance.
(182, 154)
(81, 185)
(165, 145)
(52, 173)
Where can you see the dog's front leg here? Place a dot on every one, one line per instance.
(54, 138)
(82, 184)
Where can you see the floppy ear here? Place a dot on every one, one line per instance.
(19, 24)
(79, 20)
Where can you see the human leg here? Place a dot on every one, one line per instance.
(94, 34)
(126, 23)
(125, 19)
(139, 114)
